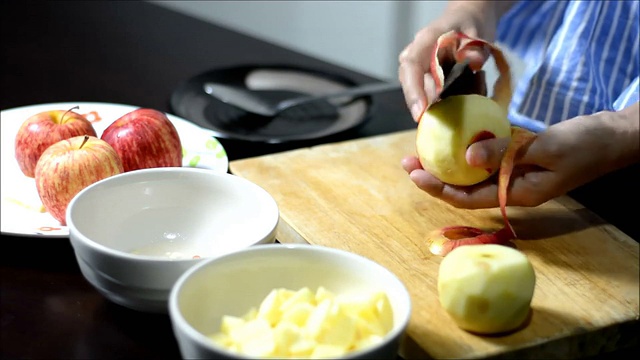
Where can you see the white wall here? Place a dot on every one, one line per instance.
(366, 36)
(363, 35)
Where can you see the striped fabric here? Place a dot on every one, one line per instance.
(582, 57)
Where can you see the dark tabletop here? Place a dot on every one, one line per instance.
(134, 53)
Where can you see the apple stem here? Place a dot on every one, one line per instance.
(86, 138)
(66, 112)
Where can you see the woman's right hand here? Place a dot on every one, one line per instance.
(477, 19)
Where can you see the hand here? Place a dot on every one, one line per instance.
(561, 158)
(477, 19)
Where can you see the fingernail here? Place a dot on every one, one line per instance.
(416, 110)
(403, 54)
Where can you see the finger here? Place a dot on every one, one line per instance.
(411, 77)
(427, 182)
(528, 186)
(411, 163)
(477, 56)
(479, 196)
(430, 88)
(415, 62)
(483, 195)
(487, 154)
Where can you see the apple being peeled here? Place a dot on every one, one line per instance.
(446, 130)
(144, 138)
(69, 166)
(41, 130)
(486, 289)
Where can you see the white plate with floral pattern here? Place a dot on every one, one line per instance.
(22, 213)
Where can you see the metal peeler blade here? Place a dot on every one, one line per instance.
(456, 72)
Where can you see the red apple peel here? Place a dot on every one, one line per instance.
(519, 138)
(458, 43)
(442, 241)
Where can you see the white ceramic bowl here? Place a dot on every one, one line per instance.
(135, 233)
(233, 283)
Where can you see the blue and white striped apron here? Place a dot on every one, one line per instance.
(582, 57)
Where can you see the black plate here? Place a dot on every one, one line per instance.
(274, 82)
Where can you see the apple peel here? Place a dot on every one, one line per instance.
(519, 138)
(442, 241)
(457, 43)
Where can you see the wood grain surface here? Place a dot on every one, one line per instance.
(355, 196)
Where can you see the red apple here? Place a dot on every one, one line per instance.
(41, 130)
(69, 166)
(144, 138)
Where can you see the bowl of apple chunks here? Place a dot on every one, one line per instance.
(289, 301)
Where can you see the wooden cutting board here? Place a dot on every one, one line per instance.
(355, 196)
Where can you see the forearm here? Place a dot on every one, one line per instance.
(625, 124)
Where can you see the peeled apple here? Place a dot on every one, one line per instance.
(447, 129)
(486, 289)
(448, 126)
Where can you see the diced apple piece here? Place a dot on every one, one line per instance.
(221, 339)
(339, 329)
(270, 307)
(286, 334)
(302, 348)
(384, 311)
(229, 323)
(251, 314)
(366, 327)
(367, 341)
(318, 318)
(297, 314)
(322, 294)
(304, 295)
(325, 351)
(255, 338)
